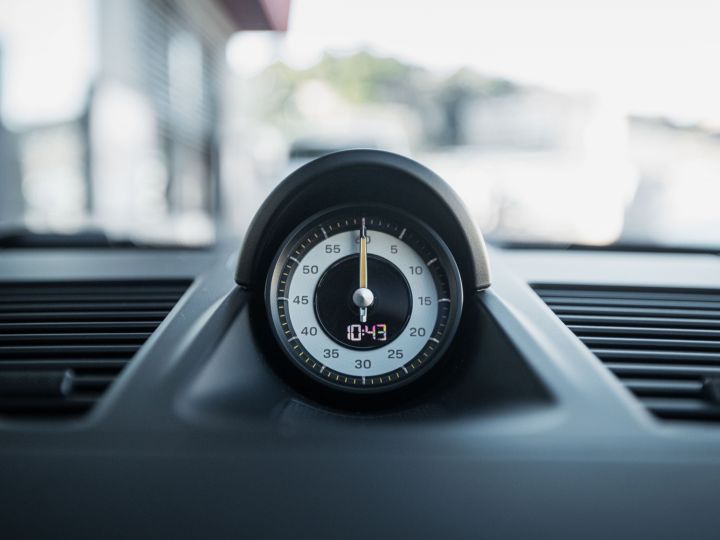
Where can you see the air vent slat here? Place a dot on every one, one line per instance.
(74, 337)
(663, 387)
(588, 330)
(667, 322)
(656, 355)
(682, 409)
(663, 344)
(74, 298)
(74, 363)
(89, 316)
(684, 344)
(82, 334)
(592, 303)
(564, 309)
(669, 370)
(30, 289)
(624, 292)
(89, 326)
(96, 383)
(81, 306)
(67, 350)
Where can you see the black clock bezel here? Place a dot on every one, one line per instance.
(447, 262)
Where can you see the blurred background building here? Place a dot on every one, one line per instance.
(111, 113)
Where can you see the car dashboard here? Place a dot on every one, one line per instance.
(577, 399)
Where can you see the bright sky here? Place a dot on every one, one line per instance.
(647, 56)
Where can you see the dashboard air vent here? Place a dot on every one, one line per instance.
(63, 344)
(663, 344)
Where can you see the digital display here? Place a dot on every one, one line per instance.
(358, 333)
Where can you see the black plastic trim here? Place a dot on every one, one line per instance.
(362, 176)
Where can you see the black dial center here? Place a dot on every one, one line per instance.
(339, 316)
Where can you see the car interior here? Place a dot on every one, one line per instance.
(316, 269)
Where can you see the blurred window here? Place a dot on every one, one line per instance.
(110, 111)
(572, 122)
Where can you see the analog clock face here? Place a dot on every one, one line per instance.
(364, 300)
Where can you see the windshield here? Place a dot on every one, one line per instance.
(569, 122)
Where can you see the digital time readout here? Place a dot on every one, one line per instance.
(367, 332)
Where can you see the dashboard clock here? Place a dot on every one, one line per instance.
(364, 299)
